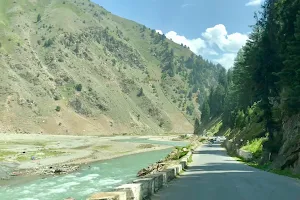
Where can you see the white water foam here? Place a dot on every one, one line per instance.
(95, 168)
(57, 191)
(49, 184)
(109, 181)
(89, 191)
(26, 192)
(67, 185)
(69, 176)
(88, 177)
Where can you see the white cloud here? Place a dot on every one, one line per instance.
(226, 60)
(196, 45)
(211, 52)
(159, 31)
(229, 43)
(254, 3)
(186, 5)
(215, 44)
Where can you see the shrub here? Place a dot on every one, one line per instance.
(56, 98)
(48, 43)
(255, 147)
(39, 17)
(161, 123)
(140, 93)
(58, 108)
(113, 62)
(78, 87)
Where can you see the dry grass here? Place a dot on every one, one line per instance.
(145, 146)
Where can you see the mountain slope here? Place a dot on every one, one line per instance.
(71, 67)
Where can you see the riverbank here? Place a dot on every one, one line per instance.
(36, 155)
(95, 177)
(154, 177)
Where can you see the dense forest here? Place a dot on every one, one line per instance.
(261, 93)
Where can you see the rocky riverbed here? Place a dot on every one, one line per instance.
(25, 155)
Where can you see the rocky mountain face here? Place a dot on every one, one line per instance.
(71, 67)
(289, 153)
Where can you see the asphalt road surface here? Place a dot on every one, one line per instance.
(213, 175)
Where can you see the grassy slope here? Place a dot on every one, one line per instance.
(35, 75)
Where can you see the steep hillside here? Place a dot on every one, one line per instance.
(71, 67)
(261, 101)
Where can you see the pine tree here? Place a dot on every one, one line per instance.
(290, 75)
(205, 110)
(197, 127)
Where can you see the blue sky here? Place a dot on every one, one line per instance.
(215, 29)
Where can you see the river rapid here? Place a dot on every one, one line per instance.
(96, 177)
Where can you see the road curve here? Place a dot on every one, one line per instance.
(213, 175)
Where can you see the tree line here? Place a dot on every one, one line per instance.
(265, 79)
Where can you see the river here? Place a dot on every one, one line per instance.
(98, 177)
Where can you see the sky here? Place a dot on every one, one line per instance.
(214, 29)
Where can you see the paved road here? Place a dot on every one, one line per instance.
(215, 176)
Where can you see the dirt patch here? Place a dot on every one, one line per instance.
(33, 1)
(145, 146)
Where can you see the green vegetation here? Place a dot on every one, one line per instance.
(140, 93)
(39, 17)
(58, 108)
(258, 99)
(5, 154)
(205, 110)
(284, 173)
(20, 156)
(190, 159)
(215, 128)
(38, 155)
(145, 146)
(49, 42)
(102, 147)
(56, 98)
(267, 167)
(202, 139)
(78, 87)
(197, 127)
(178, 153)
(255, 147)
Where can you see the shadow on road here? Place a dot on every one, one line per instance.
(213, 152)
(221, 167)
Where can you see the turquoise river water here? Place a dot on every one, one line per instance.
(99, 176)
